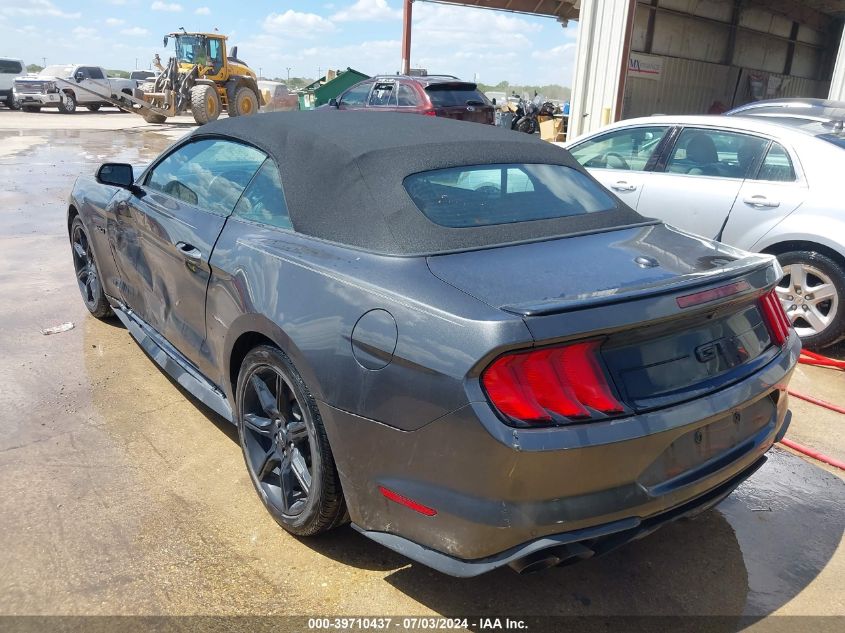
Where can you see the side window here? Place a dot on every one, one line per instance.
(628, 149)
(383, 94)
(83, 70)
(777, 165)
(10, 67)
(210, 174)
(356, 95)
(94, 73)
(264, 200)
(406, 96)
(701, 152)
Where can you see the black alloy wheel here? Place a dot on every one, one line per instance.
(284, 445)
(87, 275)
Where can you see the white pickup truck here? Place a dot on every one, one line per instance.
(67, 86)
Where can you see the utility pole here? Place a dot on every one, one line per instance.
(44, 61)
(406, 37)
(288, 69)
(259, 72)
(136, 63)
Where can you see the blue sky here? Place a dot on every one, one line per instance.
(306, 36)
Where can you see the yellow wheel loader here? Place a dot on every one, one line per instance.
(202, 78)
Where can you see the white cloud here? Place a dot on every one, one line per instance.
(367, 10)
(294, 23)
(135, 31)
(114, 21)
(203, 11)
(171, 7)
(82, 32)
(36, 8)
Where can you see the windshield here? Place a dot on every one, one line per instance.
(191, 49)
(56, 71)
(481, 195)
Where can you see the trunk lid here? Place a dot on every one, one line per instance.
(623, 286)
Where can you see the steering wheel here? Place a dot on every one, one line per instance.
(621, 162)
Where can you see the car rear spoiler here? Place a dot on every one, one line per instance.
(761, 271)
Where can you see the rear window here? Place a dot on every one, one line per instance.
(10, 67)
(446, 95)
(483, 195)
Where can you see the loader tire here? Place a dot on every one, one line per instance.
(152, 117)
(205, 103)
(242, 101)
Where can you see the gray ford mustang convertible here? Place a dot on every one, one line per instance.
(448, 334)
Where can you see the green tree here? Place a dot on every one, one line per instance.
(34, 68)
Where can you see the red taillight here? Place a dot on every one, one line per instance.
(776, 319)
(538, 385)
(405, 501)
(430, 112)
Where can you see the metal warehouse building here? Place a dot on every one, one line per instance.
(641, 57)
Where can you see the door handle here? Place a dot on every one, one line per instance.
(761, 201)
(623, 186)
(190, 251)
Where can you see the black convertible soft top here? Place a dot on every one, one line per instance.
(343, 173)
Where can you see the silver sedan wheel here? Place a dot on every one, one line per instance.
(809, 298)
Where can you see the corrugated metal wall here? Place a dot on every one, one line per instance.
(598, 61)
(837, 83)
(692, 37)
(685, 87)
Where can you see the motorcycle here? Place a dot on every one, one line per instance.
(528, 114)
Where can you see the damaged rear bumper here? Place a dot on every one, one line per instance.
(567, 547)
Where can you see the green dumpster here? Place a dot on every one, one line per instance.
(328, 87)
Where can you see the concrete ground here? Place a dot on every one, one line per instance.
(121, 496)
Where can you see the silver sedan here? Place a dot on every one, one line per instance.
(762, 184)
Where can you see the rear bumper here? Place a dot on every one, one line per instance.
(564, 548)
(502, 494)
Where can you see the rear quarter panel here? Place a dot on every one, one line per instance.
(307, 296)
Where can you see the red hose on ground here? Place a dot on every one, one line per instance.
(806, 450)
(811, 358)
(816, 401)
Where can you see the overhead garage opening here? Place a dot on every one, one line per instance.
(698, 56)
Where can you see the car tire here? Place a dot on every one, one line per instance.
(242, 102)
(285, 448)
(31, 108)
(205, 103)
(13, 104)
(94, 108)
(152, 117)
(68, 104)
(87, 273)
(818, 320)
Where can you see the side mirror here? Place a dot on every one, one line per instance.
(333, 103)
(494, 100)
(234, 54)
(79, 76)
(164, 41)
(117, 175)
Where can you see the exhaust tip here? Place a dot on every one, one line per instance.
(553, 557)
